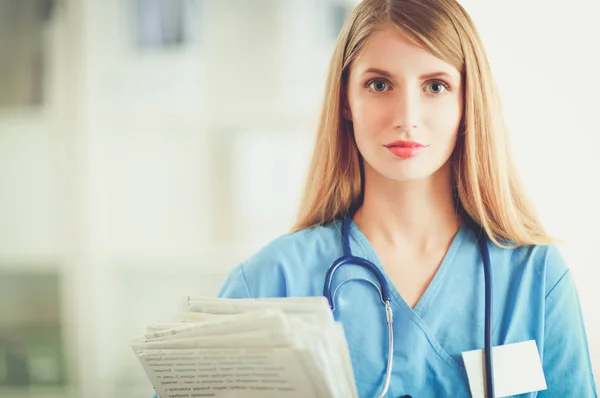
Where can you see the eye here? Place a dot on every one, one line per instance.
(437, 87)
(378, 85)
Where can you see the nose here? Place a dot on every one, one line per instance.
(407, 110)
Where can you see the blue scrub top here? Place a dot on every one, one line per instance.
(534, 298)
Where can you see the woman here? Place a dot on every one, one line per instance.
(412, 147)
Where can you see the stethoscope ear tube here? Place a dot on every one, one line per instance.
(385, 288)
(487, 274)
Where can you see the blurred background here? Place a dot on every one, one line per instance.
(148, 146)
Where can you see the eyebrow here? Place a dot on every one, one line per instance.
(385, 73)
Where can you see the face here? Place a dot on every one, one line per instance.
(405, 105)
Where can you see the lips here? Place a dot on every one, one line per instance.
(405, 149)
(404, 144)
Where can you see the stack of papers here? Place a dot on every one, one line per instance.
(268, 348)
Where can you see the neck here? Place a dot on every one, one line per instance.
(415, 216)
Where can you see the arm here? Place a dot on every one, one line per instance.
(566, 359)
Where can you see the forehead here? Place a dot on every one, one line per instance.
(392, 50)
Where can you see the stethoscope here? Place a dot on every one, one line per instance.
(384, 292)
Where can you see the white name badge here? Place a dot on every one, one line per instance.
(517, 370)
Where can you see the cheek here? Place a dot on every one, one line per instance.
(443, 122)
(370, 118)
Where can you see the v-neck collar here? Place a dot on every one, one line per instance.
(434, 286)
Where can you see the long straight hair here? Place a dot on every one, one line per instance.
(487, 188)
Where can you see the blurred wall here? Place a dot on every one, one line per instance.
(154, 164)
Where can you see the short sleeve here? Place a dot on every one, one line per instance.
(235, 285)
(566, 359)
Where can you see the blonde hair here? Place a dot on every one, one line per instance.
(488, 189)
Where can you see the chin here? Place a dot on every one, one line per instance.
(408, 172)
(407, 175)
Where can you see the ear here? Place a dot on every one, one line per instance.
(346, 108)
(345, 105)
(347, 113)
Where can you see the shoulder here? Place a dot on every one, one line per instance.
(293, 264)
(544, 265)
(539, 267)
(310, 242)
